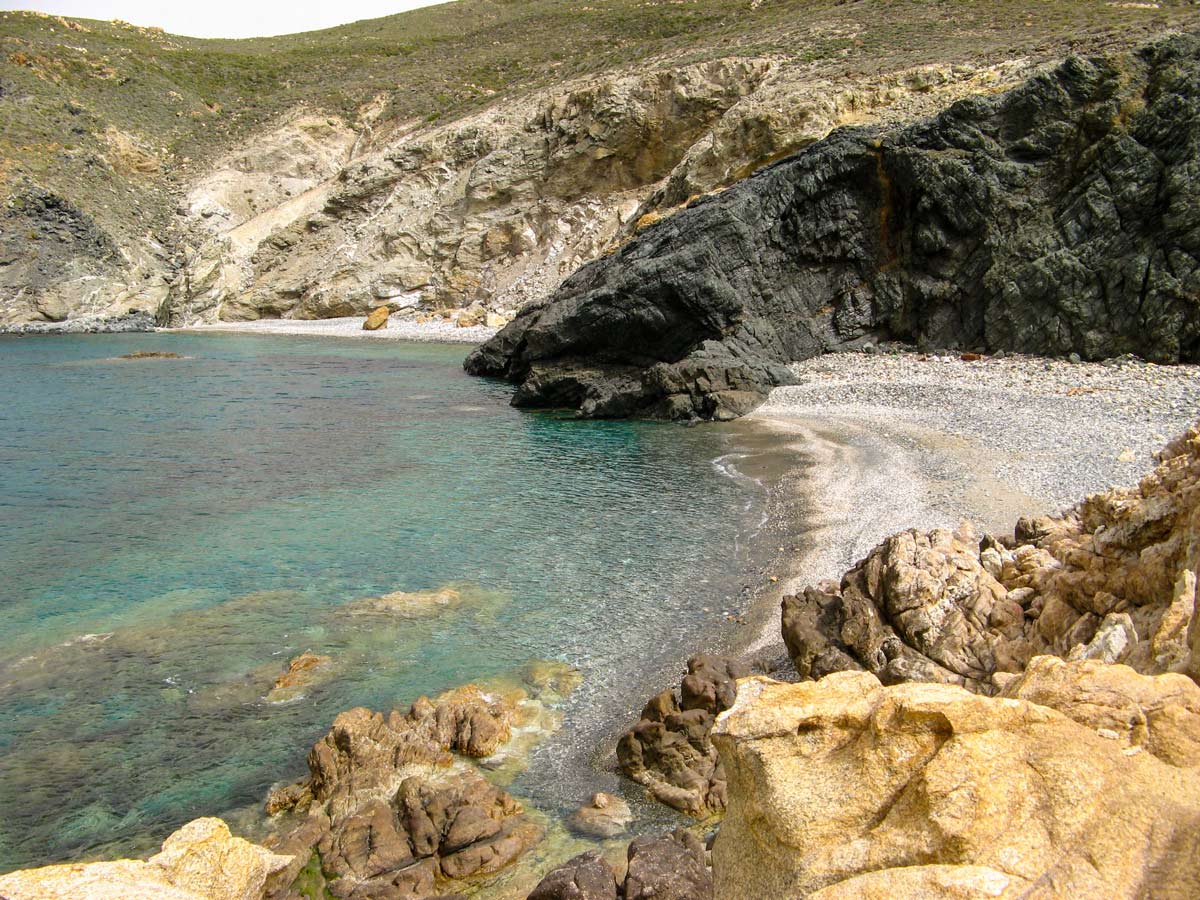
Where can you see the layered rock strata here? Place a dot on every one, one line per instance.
(388, 812)
(1061, 217)
(669, 752)
(845, 788)
(1114, 579)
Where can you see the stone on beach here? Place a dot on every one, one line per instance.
(377, 319)
(471, 317)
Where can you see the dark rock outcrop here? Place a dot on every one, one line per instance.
(389, 814)
(1112, 580)
(1062, 217)
(672, 867)
(669, 752)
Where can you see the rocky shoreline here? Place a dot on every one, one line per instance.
(878, 461)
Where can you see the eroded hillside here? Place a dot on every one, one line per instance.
(466, 155)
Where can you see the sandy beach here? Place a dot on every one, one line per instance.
(351, 327)
(905, 440)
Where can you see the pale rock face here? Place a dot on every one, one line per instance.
(495, 209)
(789, 111)
(200, 861)
(844, 788)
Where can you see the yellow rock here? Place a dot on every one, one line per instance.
(1158, 714)
(200, 861)
(469, 318)
(844, 788)
(377, 319)
(495, 320)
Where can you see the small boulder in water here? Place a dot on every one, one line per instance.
(606, 816)
(303, 671)
(669, 751)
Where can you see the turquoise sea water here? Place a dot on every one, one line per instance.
(173, 531)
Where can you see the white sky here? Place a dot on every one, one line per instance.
(224, 18)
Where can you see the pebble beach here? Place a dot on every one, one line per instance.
(898, 439)
(440, 331)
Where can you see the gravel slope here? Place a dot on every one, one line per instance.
(904, 440)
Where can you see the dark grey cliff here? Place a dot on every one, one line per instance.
(1062, 217)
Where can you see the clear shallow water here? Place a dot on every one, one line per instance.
(173, 531)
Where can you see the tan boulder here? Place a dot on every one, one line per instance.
(844, 788)
(377, 319)
(495, 320)
(200, 861)
(469, 318)
(1159, 714)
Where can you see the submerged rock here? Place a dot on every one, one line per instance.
(407, 604)
(1113, 580)
(1059, 218)
(605, 816)
(303, 671)
(845, 788)
(200, 861)
(669, 752)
